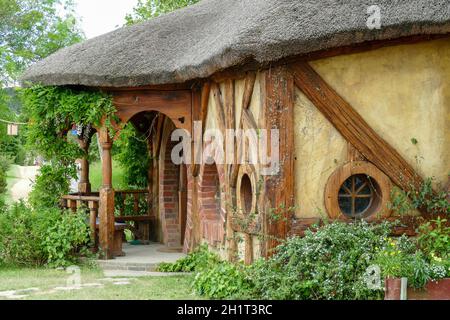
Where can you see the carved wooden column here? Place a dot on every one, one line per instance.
(84, 186)
(279, 188)
(106, 212)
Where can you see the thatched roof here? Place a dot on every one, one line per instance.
(212, 35)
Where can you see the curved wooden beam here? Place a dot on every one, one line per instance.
(354, 128)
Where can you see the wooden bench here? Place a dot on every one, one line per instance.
(141, 227)
(119, 229)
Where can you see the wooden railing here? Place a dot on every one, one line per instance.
(138, 206)
(131, 206)
(89, 202)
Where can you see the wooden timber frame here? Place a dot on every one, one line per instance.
(189, 102)
(174, 102)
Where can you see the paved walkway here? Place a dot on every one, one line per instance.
(140, 259)
(22, 187)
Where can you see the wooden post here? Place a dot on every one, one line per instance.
(106, 212)
(279, 189)
(84, 186)
(93, 212)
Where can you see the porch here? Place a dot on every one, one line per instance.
(140, 258)
(156, 214)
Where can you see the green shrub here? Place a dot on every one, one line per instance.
(3, 183)
(224, 280)
(403, 258)
(199, 259)
(330, 263)
(31, 237)
(52, 182)
(5, 163)
(434, 238)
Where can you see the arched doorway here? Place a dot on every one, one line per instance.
(173, 191)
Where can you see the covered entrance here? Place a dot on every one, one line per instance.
(159, 213)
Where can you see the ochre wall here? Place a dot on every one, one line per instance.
(403, 92)
(319, 150)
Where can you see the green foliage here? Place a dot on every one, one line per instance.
(44, 236)
(53, 111)
(133, 157)
(64, 235)
(125, 207)
(198, 260)
(434, 239)
(404, 258)
(433, 202)
(224, 280)
(31, 30)
(148, 9)
(5, 163)
(51, 183)
(330, 263)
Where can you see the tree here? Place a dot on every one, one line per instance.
(31, 30)
(148, 9)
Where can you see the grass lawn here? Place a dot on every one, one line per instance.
(94, 286)
(95, 176)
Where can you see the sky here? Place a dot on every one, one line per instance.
(102, 16)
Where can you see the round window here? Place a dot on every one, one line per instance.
(358, 196)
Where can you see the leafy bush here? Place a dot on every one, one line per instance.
(5, 163)
(3, 184)
(434, 238)
(215, 278)
(330, 263)
(41, 236)
(199, 259)
(417, 267)
(224, 280)
(52, 182)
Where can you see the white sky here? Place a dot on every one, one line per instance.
(102, 16)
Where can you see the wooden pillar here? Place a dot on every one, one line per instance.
(84, 186)
(106, 210)
(279, 189)
(93, 212)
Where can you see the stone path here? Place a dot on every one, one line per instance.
(22, 187)
(24, 293)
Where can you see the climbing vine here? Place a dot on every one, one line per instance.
(54, 111)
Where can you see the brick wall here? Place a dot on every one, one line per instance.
(212, 204)
(168, 197)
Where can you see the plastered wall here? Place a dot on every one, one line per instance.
(403, 92)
